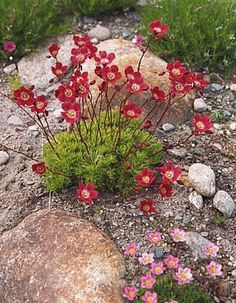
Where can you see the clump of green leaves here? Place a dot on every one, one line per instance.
(13, 82)
(95, 7)
(220, 218)
(202, 33)
(104, 165)
(167, 290)
(29, 23)
(217, 116)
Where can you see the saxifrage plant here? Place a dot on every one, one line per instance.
(111, 149)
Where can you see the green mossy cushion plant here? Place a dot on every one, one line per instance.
(103, 165)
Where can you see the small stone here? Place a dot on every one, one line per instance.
(167, 127)
(233, 273)
(202, 179)
(126, 34)
(218, 146)
(33, 130)
(159, 252)
(178, 218)
(216, 87)
(196, 243)
(232, 126)
(94, 40)
(100, 32)
(224, 203)
(200, 105)
(178, 152)
(15, 121)
(4, 157)
(9, 68)
(88, 19)
(233, 87)
(196, 200)
(187, 220)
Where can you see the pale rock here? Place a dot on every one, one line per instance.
(180, 152)
(167, 127)
(196, 200)
(232, 126)
(15, 121)
(33, 130)
(233, 87)
(9, 69)
(196, 243)
(224, 203)
(215, 87)
(202, 179)
(55, 257)
(100, 32)
(4, 157)
(199, 105)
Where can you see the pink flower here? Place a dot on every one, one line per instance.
(9, 46)
(146, 258)
(131, 249)
(149, 297)
(157, 268)
(178, 235)
(171, 261)
(211, 249)
(130, 292)
(154, 237)
(139, 40)
(183, 275)
(214, 269)
(147, 281)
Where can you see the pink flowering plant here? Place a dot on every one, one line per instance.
(107, 146)
(168, 279)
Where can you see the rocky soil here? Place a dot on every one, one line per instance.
(22, 193)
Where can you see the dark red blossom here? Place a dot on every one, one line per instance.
(198, 81)
(40, 104)
(145, 177)
(158, 94)
(147, 124)
(81, 40)
(169, 172)
(24, 96)
(147, 206)
(131, 110)
(86, 193)
(59, 70)
(79, 55)
(104, 58)
(9, 46)
(111, 74)
(176, 69)
(71, 112)
(54, 49)
(131, 74)
(165, 190)
(202, 124)
(181, 85)
(158, 28)
(136, 86)
(65, 93)
(39, 168)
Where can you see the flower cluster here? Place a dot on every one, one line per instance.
(170, 265)
(80, 107)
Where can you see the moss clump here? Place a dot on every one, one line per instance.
(103, 165)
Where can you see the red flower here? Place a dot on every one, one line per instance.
(147, 124)
(104, 58)
(81, 40)
(39, 168)
(145, 177)
(176, 69)
(170, 173)
(111, 74)
(201, 124)
(165, 190)
(71, 112)
(158, 28)
(59, 70)
(54, 49)
(24, 96)
(131, 110)
(181, 85)
(40, 104)
(9, 46)
(65, 93)
(79, 55)
(136, 86)
(78, 76)
(131, 74)
(86, 193)
(147, 206)
(198, 81)
(158, 94)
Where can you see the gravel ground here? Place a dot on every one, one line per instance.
(22, 193)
